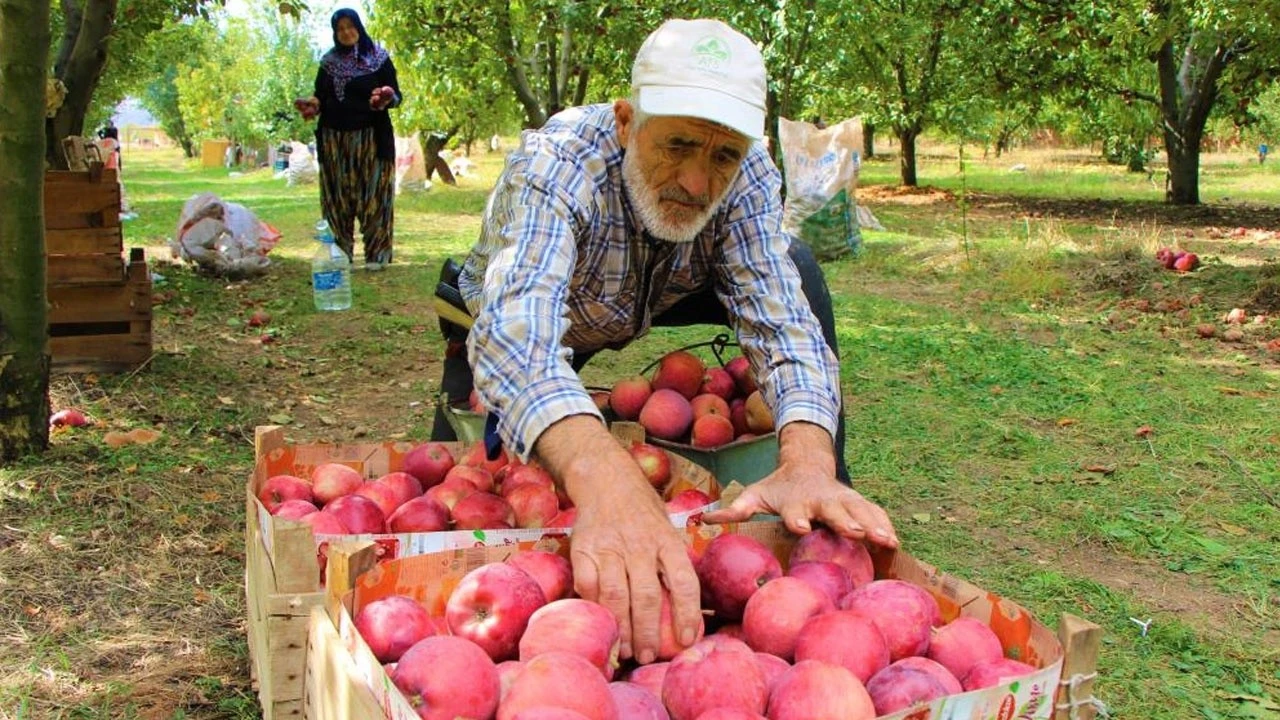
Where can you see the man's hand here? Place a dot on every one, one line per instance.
(804, 488)
(624, 547)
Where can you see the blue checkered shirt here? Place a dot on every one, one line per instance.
(563, 265)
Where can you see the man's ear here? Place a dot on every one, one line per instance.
(623, 113)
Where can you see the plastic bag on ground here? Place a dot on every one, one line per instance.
(303, 168)
(821, 166)
(222, 238)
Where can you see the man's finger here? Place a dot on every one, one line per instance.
(682, 584)
(747, 504)
(586, 578)
(874, 519)
(616, 597)
(841, 517)
(646, 608)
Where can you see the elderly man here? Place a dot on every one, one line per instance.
(662, 209)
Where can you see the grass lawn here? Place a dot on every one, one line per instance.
(1003, 341)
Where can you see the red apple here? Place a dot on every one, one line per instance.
(564, 519)
(824, 545)
(897, 688)
(637, 703)
(731, 630)
(650, 677)
(479, 478)
(1186, 263)
(323, 523)
(739, 368)
(428, 463)
(405, 486)
(730, 714)
(732, 569)
(384, 496)
(549, 713)
(629, 396)
(738, 416)
(777, 611)
(294, 509)
(718, 381)
(601, 399)
(654, 463)
(534, 506)
(846, 639)
(421, 514)
(282, 488)
(491, 607)
(990, 673)
(448, 493)
(331, 481)
(904, 613)
(772, 666)
(666, 415)
(687, 501)
(507, 672)
(360, 514)
(759, 416)
(708, 676)
(712, 431)
(483, 511)
(553, 572)
(812, 689)
(559, 680)
(476, 457)
(828, 577)
(517, 475)
(708, 404)
(680, 371)
(963, 643)
(447, 677)
(70, 417)
(392, 625)
(576, 626)
(941, 674)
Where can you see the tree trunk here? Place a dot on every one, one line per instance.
(907, 154)
(868, 140)
(24, 333)
(1183, 150)
(80, 62)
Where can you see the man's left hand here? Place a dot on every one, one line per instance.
(804, 489)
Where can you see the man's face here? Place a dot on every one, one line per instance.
(677, 170)
(348, 36)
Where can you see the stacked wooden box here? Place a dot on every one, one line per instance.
(100, 305)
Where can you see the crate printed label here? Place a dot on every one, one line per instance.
(327, 280)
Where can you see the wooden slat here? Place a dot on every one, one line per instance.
(286, 710)
(287, 656)
(1081, 640)
(105, 353)
(333, 691)
(83, 241)
(69, 197)
(79, 177)
(95, 304)
(85, 269)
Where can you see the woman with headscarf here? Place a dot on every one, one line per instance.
(355, 86)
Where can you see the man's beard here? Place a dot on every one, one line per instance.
(682, 225)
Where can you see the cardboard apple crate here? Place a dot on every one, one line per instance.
(283, 579)
(99, 305)
(345, 681)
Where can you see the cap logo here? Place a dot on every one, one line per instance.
(711, 53)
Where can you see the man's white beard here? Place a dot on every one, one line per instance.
(647, 202)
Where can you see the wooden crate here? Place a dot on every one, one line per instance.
(100, 306)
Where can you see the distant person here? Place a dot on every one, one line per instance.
(1262, 153)
(355, 143)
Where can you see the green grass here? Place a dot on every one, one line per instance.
(991, 373)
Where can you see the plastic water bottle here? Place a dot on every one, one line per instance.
(330, 272)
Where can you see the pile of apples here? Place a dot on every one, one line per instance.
(435, 492)
(688, 402)
(824, 640)
(1179, 260)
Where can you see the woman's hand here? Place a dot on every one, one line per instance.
(309, 108)
(382, 98)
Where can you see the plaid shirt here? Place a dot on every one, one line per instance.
(563, 264)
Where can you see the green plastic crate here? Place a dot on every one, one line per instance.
(468, 425)
(746, 461)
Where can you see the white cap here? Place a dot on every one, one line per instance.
(703, 69)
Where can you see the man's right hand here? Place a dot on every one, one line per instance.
(624, 547)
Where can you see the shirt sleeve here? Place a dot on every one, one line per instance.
(390, 80)
(798, 374)
(520, 365)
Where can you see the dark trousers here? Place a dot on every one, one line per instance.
(702, 308)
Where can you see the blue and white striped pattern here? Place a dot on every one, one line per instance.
(560, 267)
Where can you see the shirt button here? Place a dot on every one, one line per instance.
(520, 446)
